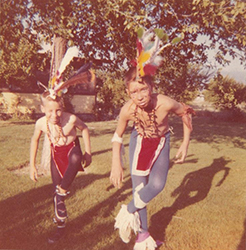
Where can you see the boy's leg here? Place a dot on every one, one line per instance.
(74, 165)
(136, 181)
(157, 179)
(145, 192)
(128, 220)
(59, 205)
(56, 179)
(61, 185)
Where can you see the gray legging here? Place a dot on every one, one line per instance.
(153, 183)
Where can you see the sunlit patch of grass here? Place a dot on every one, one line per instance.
(202, 206)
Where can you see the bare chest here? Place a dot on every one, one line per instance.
(151, 123)
(60, 134)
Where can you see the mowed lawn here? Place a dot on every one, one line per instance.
(201, 208)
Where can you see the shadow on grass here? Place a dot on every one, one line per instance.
(26, 217)
(104, 229)
(194, 188)
(105, 150)
(207, 131)
(242, 244)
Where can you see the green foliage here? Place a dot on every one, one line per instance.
(19, 63)
(106, 31)
(102, 27)
(18, 46)
(181, 82)
(224, 23)
(225, 93)
(111, 95)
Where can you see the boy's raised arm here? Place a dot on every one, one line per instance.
(33, 152)
(117, 175)
(86, 138)
(185, 112)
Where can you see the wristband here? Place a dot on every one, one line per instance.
(116, 138)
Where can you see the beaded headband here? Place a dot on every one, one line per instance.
(150, 43)
(83, 75)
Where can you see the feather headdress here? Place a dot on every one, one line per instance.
(84, 75)
(150, 43)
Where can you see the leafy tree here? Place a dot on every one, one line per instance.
(19, 48)
(225, 93)
(105, 31)
(110, 94)
(183, 84)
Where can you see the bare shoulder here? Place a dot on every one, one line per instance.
(41, 123)
(127, 110)
(68, 117)
(73, 121)
(165, 102)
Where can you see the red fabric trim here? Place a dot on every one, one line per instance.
(60, 156)
(187, 116)
(147, 153)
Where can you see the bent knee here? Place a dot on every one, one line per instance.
(75, 158)
(158, 186)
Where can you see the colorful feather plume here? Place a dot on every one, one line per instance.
(82, 76)
(70, 54)
(149, 46)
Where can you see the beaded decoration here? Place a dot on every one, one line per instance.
(55, 139)
(141, 126)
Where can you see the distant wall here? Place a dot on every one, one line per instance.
(82, 104)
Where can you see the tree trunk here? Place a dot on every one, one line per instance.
(58, 52)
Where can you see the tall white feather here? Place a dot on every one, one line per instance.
(70, 54)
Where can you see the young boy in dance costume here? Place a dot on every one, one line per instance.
(61, 130)
(148, 151)
(66, 156)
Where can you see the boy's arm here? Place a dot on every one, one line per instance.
(86, 138)
(33, 152)
(117, 175)
(185, 112)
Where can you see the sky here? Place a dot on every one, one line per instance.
(234, 69)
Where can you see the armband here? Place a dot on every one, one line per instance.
(187, 115)
(116, 138)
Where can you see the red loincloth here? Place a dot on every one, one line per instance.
(146, 152)
(60, 156)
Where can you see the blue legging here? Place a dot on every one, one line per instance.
(153, 183)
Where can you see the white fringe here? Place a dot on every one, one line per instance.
(46, 157)
(126, 222)
(147, 244)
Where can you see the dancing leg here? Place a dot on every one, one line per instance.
(149, 187)
(61, 185)
(74, 165)
(145, 188)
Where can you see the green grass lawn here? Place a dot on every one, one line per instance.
(201, 208)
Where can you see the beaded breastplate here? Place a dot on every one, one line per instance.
(146, 128)
(54, 140)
